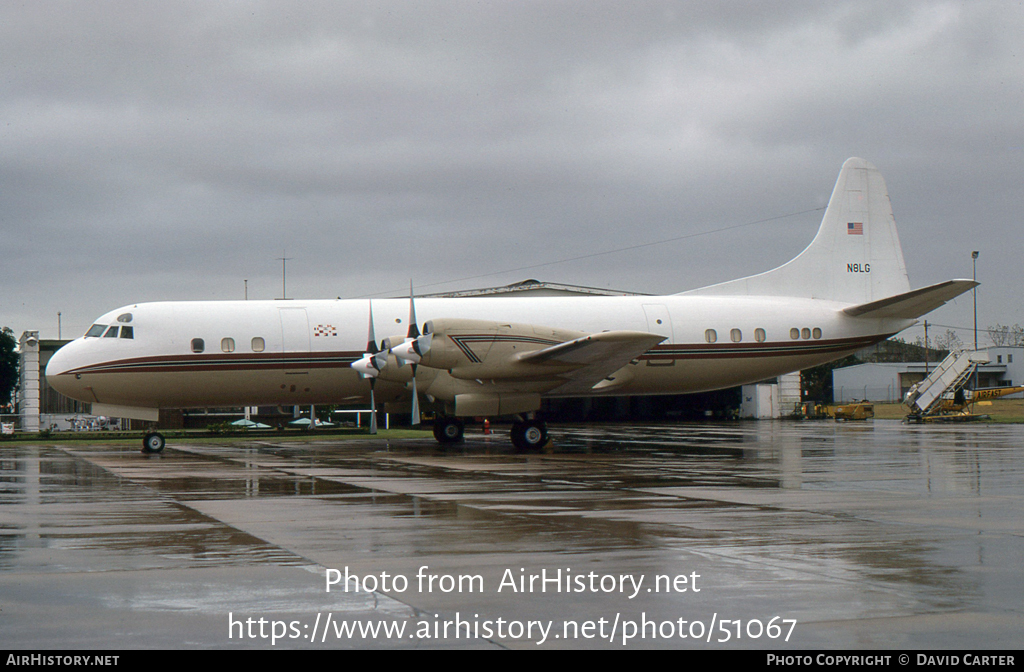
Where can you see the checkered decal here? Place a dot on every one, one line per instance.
(325, 330)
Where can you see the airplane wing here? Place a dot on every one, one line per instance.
(592, 357)
(912, 304)
(524, 358)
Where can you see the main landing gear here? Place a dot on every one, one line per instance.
(529, 435)
(153, 443)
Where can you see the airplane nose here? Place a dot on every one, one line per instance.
(57, 375)
(58, 363)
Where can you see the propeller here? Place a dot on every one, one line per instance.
(369, 366)
(416, 344)
(412, 350)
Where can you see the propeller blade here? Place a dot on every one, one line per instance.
(412, 353)
(414, 330)
(371, 340)
(415, 399)
(370, 364)
(373, 409)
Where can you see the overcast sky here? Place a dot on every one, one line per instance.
(172, 150)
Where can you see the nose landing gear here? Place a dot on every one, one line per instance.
(449, 429)
(153, 443)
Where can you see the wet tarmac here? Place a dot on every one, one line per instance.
(767, 535)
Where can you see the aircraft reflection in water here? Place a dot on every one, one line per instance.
(502, 356)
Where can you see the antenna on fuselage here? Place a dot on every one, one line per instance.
(284, 274)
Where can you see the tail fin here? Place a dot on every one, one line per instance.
(855, 257)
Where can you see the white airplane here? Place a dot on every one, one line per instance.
(500, 356)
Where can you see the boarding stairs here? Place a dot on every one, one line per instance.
(948, 377)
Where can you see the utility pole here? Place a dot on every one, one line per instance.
(926, 348)
(246, 289)
(974, 293)
(58, 325)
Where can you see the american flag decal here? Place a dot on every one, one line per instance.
(325, 330)
(855, 228)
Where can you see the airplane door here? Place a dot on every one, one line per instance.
(659, 322)
(294, 329)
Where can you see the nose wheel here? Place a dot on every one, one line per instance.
(153, 443)
(448, 429)
(529, 435)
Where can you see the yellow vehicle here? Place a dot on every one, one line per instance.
(960, 403)
(856, 411)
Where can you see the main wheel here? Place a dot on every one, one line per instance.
(449, 429)
(529, 436)
(153, 443)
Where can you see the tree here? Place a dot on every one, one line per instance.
(1001, 335)
(8, 365)
(817, 381)
(949, 341)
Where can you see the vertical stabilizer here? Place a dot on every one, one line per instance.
(854, 258)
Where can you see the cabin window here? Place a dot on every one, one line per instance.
(736, 335)
(124, 318)
(198, 345)
(794, 333)
(710, 335)
(759, 335)
(816, 332)
(227, 344)
(127, 332)
(258, 344)
(805, 333)
(95, 331)
(111, 333)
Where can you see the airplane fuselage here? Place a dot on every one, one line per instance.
(234, 353)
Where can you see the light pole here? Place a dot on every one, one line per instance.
(974, 294)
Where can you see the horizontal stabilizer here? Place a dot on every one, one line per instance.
(912, 304)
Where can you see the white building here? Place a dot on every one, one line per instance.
(889, 382)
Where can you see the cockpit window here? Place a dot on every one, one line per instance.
(95, 331)
(124, 318)
(111, 333)
(127, 332)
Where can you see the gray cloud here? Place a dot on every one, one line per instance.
(173, 150)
